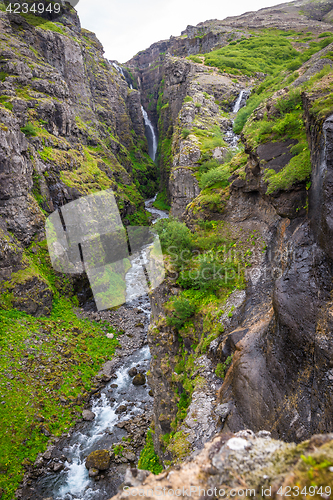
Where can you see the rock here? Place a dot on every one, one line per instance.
(121, 409)
(129, 456)
(151, 393)
(99, 459)
(93, 472)
(47, 455)
(58, 467)
(88, 415)
(114, 386)
(132, 372)
(139, 379)
(135, 477)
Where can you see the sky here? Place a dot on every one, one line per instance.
(127, 26)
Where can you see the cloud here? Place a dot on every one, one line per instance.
(127, 26)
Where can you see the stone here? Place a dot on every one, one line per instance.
(58, 467)
(99, 459)
(121, 409)
(88, 415)
(114, 386)
(93, 472)
(139, 379)
(132, 372)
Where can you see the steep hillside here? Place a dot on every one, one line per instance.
(241, 331)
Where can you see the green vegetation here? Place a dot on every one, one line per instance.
(287, 125)
(42, 23)
(148, 458)
(183, 309)
(29, 130)
(185, 133)
(47, 365)
(222, 368)
(162, 202)
(262, 53)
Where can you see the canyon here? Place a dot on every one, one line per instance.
(231, 125)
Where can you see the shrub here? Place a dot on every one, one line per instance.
(148, 459)
(208, 165)
(198, 105)
(175, 237)
(183, 310)
(29, 130)
(218, 175)
(185, 133)
(188, 99)
(222, 368)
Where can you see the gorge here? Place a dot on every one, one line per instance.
(220, 139)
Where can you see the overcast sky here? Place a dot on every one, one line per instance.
(127, 26)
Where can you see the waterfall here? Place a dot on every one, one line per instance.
(119, 69)
(238, 103)
(150, 133)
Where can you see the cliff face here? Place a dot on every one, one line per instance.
(69, 126)
(271, 201)
(241, 330)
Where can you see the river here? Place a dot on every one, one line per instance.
(73, 482)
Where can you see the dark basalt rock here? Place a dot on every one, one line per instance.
(139, 379)
(132, 372)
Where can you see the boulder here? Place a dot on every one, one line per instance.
(99, 459)
(132, 372)
(93, 472)
(88, 415)
(121, 409)
(139, 379)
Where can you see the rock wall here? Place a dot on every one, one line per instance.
(70, 126)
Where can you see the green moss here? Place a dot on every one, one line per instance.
(41, 23)
(179, 445)
(162, 202)
(149, 460)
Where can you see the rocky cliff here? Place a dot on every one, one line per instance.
(256, 355)
(240, 334)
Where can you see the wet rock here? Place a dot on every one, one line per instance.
(121, 409)
(99, 459)
(139, 379)
(114, 386)
(132, 372)
(93, 472)
(88, 415)
(151, 393)
(58, 467)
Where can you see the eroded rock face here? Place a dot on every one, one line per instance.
(260, 461)
(61, 100)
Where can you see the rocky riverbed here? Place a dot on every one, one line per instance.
(115, 420)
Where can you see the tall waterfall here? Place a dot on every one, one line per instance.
(238, 103)
(150, 133)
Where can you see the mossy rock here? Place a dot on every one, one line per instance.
(99, 459)
(139, 379)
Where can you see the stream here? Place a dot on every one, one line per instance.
(73, 482)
